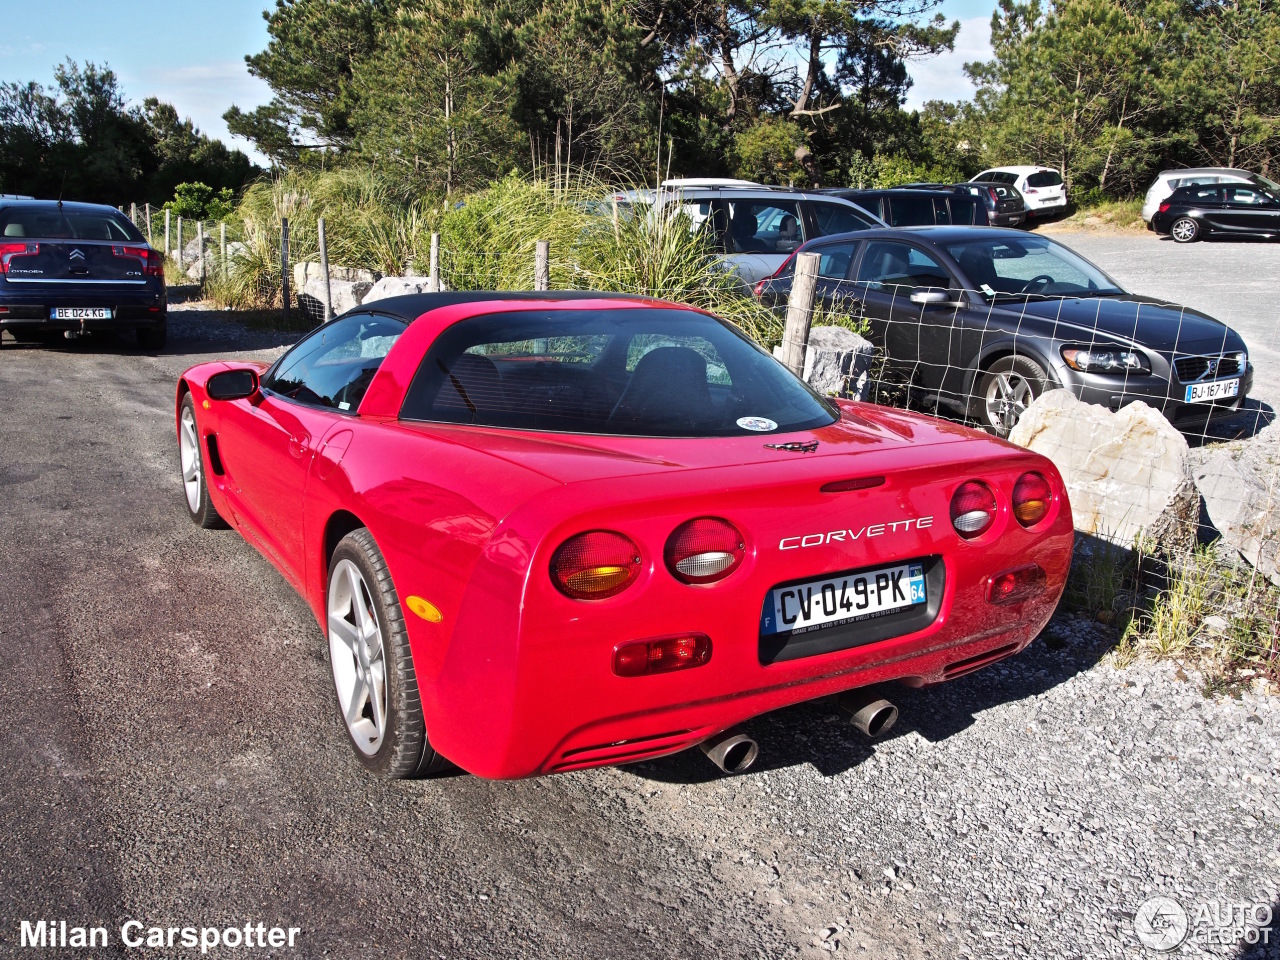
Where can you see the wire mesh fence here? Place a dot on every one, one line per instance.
(1168, 445)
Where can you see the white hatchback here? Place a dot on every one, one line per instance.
(1042, 189)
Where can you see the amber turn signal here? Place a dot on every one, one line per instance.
(595, 565)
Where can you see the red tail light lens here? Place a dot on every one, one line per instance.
(152, 260)
(661, 656)
(595, 565)
(1164, 207)
(758, 289)
(973, 509)
(1032, 498)
(10, 250)
(704, 550)
(1014, 586)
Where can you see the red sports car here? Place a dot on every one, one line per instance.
(551, 531)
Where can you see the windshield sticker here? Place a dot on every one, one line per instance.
(758, 424)
(987, 290)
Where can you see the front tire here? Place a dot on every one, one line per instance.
(373, 675)
(1184, 230)
(195, 484)
(1007, 388)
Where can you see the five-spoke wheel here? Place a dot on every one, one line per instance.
(191, 462)
(1008, 388)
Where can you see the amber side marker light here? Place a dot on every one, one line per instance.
(1014, 586)
(595, 565)
(661, 656)
(1032, 498)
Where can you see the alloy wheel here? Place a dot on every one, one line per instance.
(189, 458)
(357, 653)
(1008, 396)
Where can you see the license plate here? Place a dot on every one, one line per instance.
(1212, 390)
(846, 598)
(80, 313)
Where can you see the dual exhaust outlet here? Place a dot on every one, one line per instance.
(732, 751)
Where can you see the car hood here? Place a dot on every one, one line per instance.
(1146, 321)
(568, 458)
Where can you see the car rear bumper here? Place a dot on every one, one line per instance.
(31, 311)
(1007, 219)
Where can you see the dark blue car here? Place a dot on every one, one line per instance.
(74, 267)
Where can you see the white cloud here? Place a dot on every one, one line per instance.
(203, 92)
(942, 77)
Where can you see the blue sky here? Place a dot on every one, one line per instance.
(192, 54)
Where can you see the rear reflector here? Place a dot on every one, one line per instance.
(661, 656)
(973, 509)
(860, 483)
(1014, 586)
(704, 550)
(595, 565)
(1032, 497)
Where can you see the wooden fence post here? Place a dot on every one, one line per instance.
(324, 268)
(284, 263)
(222, 247)
(133, 214)
(200, 243)
(795, 336)
(180, 252)
(433, 273)
(149, 240)
(542, 266)
(167, 247)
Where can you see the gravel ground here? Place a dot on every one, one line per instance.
(172, 754)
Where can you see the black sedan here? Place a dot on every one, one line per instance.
(984, 320)
(66, 268)
(1220, 209)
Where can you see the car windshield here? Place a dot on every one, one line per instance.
(623, 372)
(51, 222)
(1025, 266)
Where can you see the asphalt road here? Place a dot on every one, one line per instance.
(171, 753)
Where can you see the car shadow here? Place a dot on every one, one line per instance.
(819, 734)
(194, 337)
(1262, 950)
(1254, 417)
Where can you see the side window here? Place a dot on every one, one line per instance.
(1206, 194)
(832, 218)
(334, 366)
(940, 212)
(834, 260)
(965, 210)
(888, 264)
(1245, 196)
(909, 211)
(764, 226)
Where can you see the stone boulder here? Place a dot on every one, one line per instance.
(837, 362)
(1244, 507)
(399, 286)
(1128, 474)
(307, 272)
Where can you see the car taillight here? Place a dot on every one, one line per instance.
(704, 550)
(152, 260)
(1164, 207)
(758, 289)
(661, 656)
(1032, 497)
(10, 250)
(973, 509)
(595, 565)
(995, 197)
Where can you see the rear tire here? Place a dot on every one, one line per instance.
(1184, 230)
(373, 674)
(1006, 389)
(153, 338)
(195, 486)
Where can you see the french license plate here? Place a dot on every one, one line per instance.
(1212, 390)
(80, 313)
(842, 599)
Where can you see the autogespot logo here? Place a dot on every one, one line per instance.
(1161, 924)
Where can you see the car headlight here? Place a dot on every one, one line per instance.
(1113, 360)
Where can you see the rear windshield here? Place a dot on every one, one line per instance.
(51, 223)
(1045, 178)
(627, 372)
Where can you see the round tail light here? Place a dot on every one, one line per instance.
(973, 509)
(704, 550)
(595, 565)
(1032, 497)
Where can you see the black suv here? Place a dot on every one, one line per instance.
(908, 207)
(72, 267)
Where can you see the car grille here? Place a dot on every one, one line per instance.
(1191, 369)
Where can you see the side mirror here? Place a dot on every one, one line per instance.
(930, 297)
(232, 385)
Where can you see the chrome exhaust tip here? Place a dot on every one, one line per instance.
(872, 715)
(732, 751)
